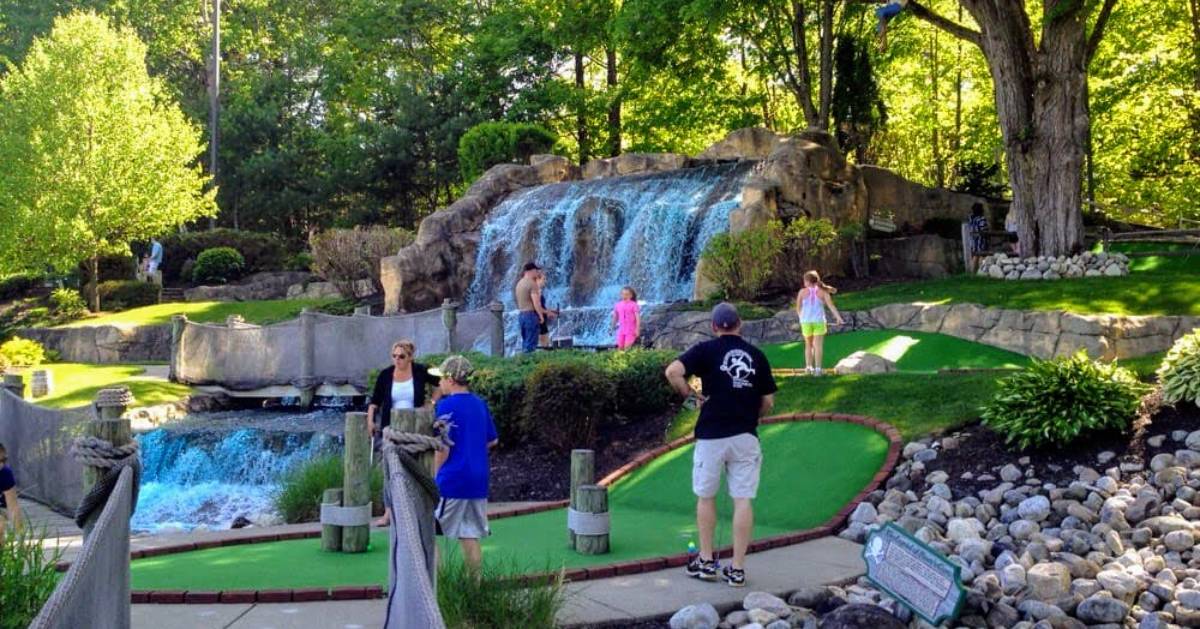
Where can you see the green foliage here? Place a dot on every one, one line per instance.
(491, 143)
(805, 241)
(96, 152)
(68, 304)
(1179, 373)
(495, 597)
(340, 308)
(302, 487)
(980, 178)
(740, 264)
(117, 267)
(345, 256)
(302, 261)
(28, 573)
(639, 387)
(565, 404)
(858, 109)
(19, 285)
(1055, 402)
(219, 265)
(261, 251)
(23, 352)
(748, 311)
(128, 294)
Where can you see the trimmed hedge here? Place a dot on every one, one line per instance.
(262, 251)
(218, 266)
(491, 143)
(124, 295)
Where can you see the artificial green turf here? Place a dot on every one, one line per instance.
(810, 470)
(76, 384)
(911, 351)
(257, 312)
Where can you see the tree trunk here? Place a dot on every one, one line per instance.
(614, 105)
(95, 264)
(581, 114)
(958, 91)
(1194, 7)
(825, 54)
(939, 160)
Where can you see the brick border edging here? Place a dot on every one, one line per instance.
(575, 574)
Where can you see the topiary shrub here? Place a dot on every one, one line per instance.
(23, 352)
(565, 403)
(345, 256)
(491, 143)
(1179, 373)
(1054, 402)
(740, 264)
(68, 304)
(219, 265)
(260, 251)
(126, 294)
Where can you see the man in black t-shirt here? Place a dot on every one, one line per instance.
(737, 389)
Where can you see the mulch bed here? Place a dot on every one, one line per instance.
(981, 451)
(534, 472)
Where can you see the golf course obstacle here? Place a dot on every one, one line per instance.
(42, 384)
(346, 513)
(588, 525)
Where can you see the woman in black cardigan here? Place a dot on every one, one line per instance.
(402, 385)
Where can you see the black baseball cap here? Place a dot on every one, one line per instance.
(532, 266)
(725, 316)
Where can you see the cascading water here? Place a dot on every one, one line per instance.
(594, 237)
(213, 469)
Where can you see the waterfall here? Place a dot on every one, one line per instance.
(594, 237)
(206, 476)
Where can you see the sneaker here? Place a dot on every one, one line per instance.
(701, 569)
(734, 577)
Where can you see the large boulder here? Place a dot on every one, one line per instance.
(749, 143)
(260, 286)
(864, 362)
(633, 164)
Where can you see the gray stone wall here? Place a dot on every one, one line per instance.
(926, 256)
(105, 344)
(1041, 334)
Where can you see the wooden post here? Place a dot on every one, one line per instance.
(41, 383)
(583, 472)
(418, 421)
(497, 310)
(15, 383)
(592, 499)
(178, 323)
(357, 486)
(968, 262)
(449, 321)
(108, 426)
(331, 534)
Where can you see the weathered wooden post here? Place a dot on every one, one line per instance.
(449, 321)
(331, 534)
(41, 383)
(417, 421)
(968, 262)
(583, 472)
(15, 384)
(178, 323)
(592, 538)
(356, 490)
(108, 425)
(497, 310)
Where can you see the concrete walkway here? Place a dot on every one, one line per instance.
(644, 596)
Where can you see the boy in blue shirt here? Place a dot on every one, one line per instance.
(462, 470)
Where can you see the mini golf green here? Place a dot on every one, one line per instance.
(911, 351)
(811, 470)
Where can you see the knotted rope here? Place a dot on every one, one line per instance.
(407, 445)
(96, 452)
(115, 397)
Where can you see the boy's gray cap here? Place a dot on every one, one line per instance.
(456, 367)
(725, 316)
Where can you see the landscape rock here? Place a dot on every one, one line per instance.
(858, 616)
(864, 363)
(1100, 608)
(700, 616)
(769, 602)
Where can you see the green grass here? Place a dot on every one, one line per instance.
(1161, 264)
(810, 471)
(916, 404)
(911, 351)
(76, 384)
(258, 312)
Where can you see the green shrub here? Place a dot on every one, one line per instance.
(341, 308)
(345, 256)
(20, 285)
(113, 268)
(68, 304)
(1054, 402)
(639, 385)
(491, 143)
(503, 388)
(746, 310)
(261, 251)
(23, 352)
(301, 489)
(4, 364)
(126, 294)
(1179, 373)
(740, 264)
(302, 261)
(28, 574)
(219, 265)
(566, 402)
(496, 597)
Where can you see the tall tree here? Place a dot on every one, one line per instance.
(1041, 99)
(96, 154)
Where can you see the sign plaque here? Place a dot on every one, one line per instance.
(914, 574)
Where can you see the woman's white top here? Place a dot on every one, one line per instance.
(402, 394)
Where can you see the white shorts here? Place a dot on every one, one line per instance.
(739, 456)
(462, 519)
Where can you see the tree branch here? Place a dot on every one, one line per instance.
(950, 26)
(1098, 31)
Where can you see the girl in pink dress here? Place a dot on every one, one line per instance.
(627, 319)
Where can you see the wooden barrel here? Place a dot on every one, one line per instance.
(40, 384)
